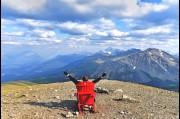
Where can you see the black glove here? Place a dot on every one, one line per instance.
(104, 74)
(65, 73)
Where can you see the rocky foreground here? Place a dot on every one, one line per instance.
(114, 100)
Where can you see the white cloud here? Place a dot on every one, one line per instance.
(42, 33)
(80, 39)
(74, 27)
(53, 40)
(80, 8)
(158, 8)
(35, 23)
(165, 29)
(171, 2)
(11, 43)
(101, 33)
(32, 43)
(88, 24)
(106, 24)
(77, 42)
(117, 33)
(57, 41)
(146, 8)
(84, 9)
(7, 22)
(110, 43)
(20, 33)
(129, 9)
(25, 6)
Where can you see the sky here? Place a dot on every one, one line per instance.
(52, 27)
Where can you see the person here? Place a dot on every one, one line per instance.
(84, 78)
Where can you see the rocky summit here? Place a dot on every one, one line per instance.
(114, 100)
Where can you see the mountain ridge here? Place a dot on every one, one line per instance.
(145, 66)
(149, 67)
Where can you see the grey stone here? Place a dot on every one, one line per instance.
(56, 97)
(121, 112)
(69, 114)
(127, 98)
(101, 90)
(49, 104)
(118, 90)
(77, 113)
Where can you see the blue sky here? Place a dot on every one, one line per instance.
(51, 27)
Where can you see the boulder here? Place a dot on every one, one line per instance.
(101, 90)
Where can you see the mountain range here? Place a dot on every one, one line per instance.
(29, 64)
(149, 67)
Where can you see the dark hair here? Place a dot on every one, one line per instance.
(85, 78)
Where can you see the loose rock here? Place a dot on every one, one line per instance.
(118, 90)
(69, 114)
(49, 104)
(101, 90)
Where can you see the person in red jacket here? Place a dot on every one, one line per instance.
(84, 78)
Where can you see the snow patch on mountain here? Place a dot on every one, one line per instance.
(117, 58)
(99, 61)
(161, 53)
(171, 58)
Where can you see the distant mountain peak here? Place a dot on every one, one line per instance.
(114, 51)
(110, 51)
(133, 50)
(154, 50)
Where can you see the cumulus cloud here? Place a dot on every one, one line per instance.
(76, 28)
(171, 1)
(24, 6)
(11, 43)
(42, 33)
(80, 39)
(31, 43)
(14, 33)
(101, 33)
(90, 24)
(155, 30)
(106, 24)
(34, 23)
(78, 10)
(7, 22)
(117, 33)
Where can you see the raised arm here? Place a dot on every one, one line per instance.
(71, 78)
(98, 79)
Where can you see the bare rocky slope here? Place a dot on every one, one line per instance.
(123, 100)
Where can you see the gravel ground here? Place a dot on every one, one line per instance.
(56, 100)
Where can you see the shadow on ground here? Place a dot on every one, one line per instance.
(65, 104)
